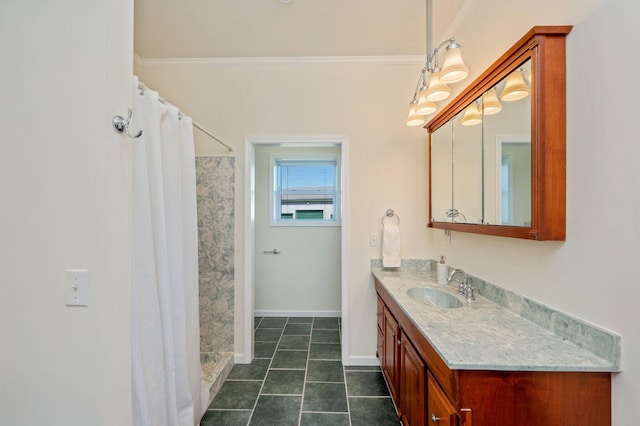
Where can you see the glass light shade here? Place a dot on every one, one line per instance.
(437, 90)
(471, 116)
(415, 119)
(425, 106)
(454, 69)
(490, 103)
(515, 87)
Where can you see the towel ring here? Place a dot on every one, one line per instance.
(390, 213)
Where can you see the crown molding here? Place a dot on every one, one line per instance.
(368, 60)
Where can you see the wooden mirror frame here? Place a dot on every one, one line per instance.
(545, 46)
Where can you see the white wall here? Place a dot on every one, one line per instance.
(590, 275)
(65, 203)
(367, 102)
(304, 279)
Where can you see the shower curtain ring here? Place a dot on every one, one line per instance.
(121, 125)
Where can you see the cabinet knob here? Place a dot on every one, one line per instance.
(434, 419)
(399, 342)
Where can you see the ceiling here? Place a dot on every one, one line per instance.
(301, 28)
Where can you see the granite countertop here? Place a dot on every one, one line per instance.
(483, 335)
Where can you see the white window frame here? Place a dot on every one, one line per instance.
(500, 140)
(274, 199)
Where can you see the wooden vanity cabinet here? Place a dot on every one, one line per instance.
(412, 393)
(536, 397)
(440, 410)
(380, 315)
(427, 391)
(390, 352)
(402, 367)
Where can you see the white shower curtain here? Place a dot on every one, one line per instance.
(168, 388)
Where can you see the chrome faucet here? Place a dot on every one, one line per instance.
(461, 284)
(464, 287)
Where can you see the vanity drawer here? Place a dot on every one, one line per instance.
(440, 411)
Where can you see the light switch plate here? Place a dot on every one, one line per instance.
(374, 240)
(77, 287)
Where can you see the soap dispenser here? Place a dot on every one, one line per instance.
(442, 271)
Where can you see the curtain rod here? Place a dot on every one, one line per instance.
(142, 88)
(203, 130)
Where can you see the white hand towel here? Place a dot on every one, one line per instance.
(391, 246)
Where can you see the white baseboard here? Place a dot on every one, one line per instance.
(325, 314)
(241, 359)
(363, 360)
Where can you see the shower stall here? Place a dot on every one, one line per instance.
(183, 265)
(216, 213)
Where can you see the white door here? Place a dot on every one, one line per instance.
(65, 204)
(297, 231)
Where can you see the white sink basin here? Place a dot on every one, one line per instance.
(434, 297)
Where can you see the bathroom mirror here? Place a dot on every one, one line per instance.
(467, 168)
(506, 129)
(505, 136)
(442, 171)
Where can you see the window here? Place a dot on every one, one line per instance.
(305, 191)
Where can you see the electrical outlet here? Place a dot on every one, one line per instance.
(77, 287)
(374, 240)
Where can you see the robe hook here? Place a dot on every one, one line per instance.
(121, 125)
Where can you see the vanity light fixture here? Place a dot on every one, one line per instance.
(433, 80)
(490, 103)
(437, 90)
(415, 119)
(425, 106)
(472, 115)
(515, 87)
(453, 69)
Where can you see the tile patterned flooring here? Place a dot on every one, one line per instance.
(297, 379)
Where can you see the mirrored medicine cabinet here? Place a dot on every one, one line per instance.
(497, 151)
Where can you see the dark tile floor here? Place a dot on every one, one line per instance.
(297, 378)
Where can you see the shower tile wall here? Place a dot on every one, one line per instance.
(215, 196)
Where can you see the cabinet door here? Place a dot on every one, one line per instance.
(412, 385)
(380, 315)
(390, 352)
(440, 411)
